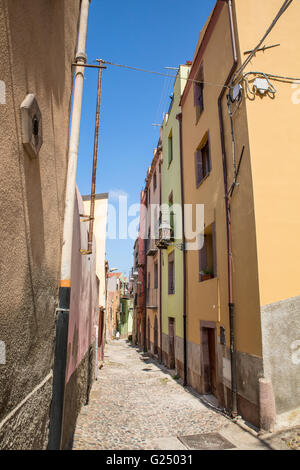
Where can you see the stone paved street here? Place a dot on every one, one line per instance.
(136, 404)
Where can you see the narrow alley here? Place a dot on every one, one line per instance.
(137, 404)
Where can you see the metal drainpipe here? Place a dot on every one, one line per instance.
(179, 117)
(228, 220)
(160, 274)
(62, 320)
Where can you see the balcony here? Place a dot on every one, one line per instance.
(151, 248)
(166, 236)
(151, 300)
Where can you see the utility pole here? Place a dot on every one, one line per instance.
(96, 141)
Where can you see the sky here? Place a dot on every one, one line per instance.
(151, 35)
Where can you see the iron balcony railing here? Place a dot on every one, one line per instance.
(151, 247)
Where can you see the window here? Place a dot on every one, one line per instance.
(156, 223)
(208, 255)
(202, 163)
(148, 287)
(148, 240)
(172, 223)
(171, 273)
(198, 93)
(155, 275)
(170, 148)
(154, 181)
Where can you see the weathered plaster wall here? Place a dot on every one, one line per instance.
(113, 303)
(153, 293)
(281, 351)
(76, 394)
(84, 308)
(274, 151)
(100, 222)
(83, 319)
(274, 145)
(37, 47)
(141, 300)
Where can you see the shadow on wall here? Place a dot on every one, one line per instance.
(84, 316)
(34, 200)
(49, 66)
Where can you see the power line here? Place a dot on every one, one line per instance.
(163, 74)
(274, 77)
(283, 8)
(164, 93)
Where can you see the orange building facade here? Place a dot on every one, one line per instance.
(242, 317)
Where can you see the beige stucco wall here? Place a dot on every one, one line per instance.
(274, 142)
(273, 125)
(100, 222)
(37, 46)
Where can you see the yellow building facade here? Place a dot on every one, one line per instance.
(242, 286)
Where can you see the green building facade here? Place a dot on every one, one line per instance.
(172, 257)
(125, 317)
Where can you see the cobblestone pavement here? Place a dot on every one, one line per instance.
(136, 404)
(286, 439)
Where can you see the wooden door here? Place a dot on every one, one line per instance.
(155, 336)
(171, 343)
(148, 335)
(212, 360)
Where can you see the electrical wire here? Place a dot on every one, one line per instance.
(271, 90)
(163, 74)
(167, 96)
(160, 108)
(282, 10)
(274, 77)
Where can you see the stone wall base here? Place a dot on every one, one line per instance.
(249, 411)
(76, 394)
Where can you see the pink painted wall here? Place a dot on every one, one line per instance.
(154, 200)
(141, 299)
(84, 309)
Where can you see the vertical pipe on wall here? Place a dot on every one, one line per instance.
(228, 219)
(73, 146)
(179, 117)
(62, 321)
